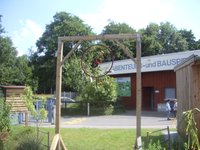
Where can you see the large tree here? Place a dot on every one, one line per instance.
(7, 62)
(150, 40)
(8, 55)
(13, 70)
(190, 38)
(44, 60)
(163, 38)
(119, 28)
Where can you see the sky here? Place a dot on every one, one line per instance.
(25, 20)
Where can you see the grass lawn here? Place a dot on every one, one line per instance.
(83, 138)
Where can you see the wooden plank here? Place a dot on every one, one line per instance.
(139, 143)
(54, 142)
(138, 87)
(17, 105)
(14, 92)
(19, 110)
(98, 37)
(13, 97)
(71, 52)
(62, 144)
(58, 87)
(16, 102)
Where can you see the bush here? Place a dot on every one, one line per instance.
(99, 91)
(155, 146)
(27, 140)
(96, 108)
(30, 142)
(5, 122)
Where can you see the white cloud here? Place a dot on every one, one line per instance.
(26, 36)
(136, 13)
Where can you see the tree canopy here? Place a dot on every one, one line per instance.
(44, 60)
(13, 70)
(162, 39)
(117, 28)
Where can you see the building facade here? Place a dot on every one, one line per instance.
(158, 79)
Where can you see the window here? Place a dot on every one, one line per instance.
(170, 93)
(123, 86)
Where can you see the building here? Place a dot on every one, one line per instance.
(158, 79)
(12, 96)
(188, 90)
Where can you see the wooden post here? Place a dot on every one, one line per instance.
(58, 87)
(61, 40)
(138, 86)
(88, 109)
(26, 118)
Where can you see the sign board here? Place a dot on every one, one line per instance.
(150, 63)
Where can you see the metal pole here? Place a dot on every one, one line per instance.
(138, 84)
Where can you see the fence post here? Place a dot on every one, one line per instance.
(147, 138)
(37, 133)
(88, 109)
(48, 141)
(169, 139)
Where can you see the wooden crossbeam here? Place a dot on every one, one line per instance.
(98, 37)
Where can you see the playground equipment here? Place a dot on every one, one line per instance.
(57, 140)
(99, 53)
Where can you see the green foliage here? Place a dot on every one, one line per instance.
(189, 37)
(102, 90)
(30, 101)
(5, 122)
(7, 62)
(30, 142)
(44, 60)
(73, 76)
(24, 139)
(155, 146)
(117, 28)
(25, 72)
(191, 130)
(163, 38)
(13, 70)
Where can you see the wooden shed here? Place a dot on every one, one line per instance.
(188, 88)
(12, 96)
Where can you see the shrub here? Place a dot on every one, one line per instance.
(5, 122)
(30, 142)
(155, 146)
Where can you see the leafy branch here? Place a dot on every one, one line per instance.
(191, 129)
(30, 100)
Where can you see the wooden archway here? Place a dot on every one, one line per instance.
(57, 141)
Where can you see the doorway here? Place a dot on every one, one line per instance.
(148, 98)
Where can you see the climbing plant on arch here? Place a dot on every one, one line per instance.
(57, 141)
